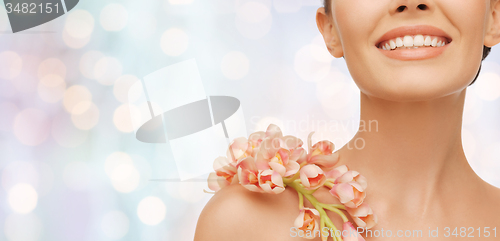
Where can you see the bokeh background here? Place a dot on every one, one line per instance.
(70, 165)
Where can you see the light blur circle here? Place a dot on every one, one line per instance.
(10, 64)
(65, 133)
(75, 43)
(51, 88)
(107, 70)
(22, 198)
(85, 120)
(74, 95)
(115, 224)
(151, 210)
(51, 66)
(235, 65)
(122, 86)
(113, 17)
(334, 91)
(174, 42)
(125, 178)
(88, 62)
(122, 117)
(31, 127)
(308, 66)
(79, 24)
(488, 86)
(116, 159)
(23, 227)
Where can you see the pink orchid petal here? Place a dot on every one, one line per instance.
(343, 192)
(278, 167)
(299, 221)
(291, 142)
(309, 146)
(273, 131)
(337, 172)
(327, 161)
(296, 154)
(292, 168)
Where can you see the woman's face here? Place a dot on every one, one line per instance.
(355, 28)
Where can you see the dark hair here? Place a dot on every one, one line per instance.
(486, 50)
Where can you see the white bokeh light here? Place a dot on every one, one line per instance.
(51, 88)
(469, 143)
(88, 62)
(11, 65)
(151, 210)
(192, 192)
(174, 42)
(19, 172)
(122, 86)
(235, 65)
(79, 24)
(253, 19)
(51, 66)
(22, 198)
(308, 66)
(122, 117)
(85, 120)
(107, 70)
(9, 111)
(114, 160)
(334, 91)
(180, 2)
(115, 224)
(487, 86)
(113, 17)
(125, 178)
(142, 25)
(32, 127)
(75, 95)
(74, 43)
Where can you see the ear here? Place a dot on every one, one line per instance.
(492, 36)
(329, 32)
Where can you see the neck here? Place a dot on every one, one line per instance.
(412, 151)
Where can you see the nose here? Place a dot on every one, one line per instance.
(410, 6)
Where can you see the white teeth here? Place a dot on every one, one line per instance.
(393, 44)
(411, 42)
(408, 41)
(434, 42)
(428, 41)
(418, 41)
(399, 42)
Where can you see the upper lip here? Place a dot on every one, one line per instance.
(414, 30)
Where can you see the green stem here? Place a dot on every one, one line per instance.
(301, 200)
(335, 210)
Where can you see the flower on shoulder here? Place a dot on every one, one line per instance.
(271, 181)
(238, 149)
(349, 233)
(351, 194)
(363, 216)
(254, 141)
(248, 174)
(322, 154)
(224, 175)
(312, 176)
(308, 220)
(336, 172)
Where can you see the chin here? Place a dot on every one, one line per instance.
(413, 90)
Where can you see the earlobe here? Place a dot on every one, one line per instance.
(492, 36)
(330, 36)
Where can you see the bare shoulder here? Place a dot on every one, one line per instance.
(235, 213)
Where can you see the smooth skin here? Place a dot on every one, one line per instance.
(418, 175)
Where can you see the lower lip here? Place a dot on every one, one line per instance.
(415, 54)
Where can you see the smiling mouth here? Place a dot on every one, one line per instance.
(413, 42)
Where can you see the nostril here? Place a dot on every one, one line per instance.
(401, 8)
(422, 7)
